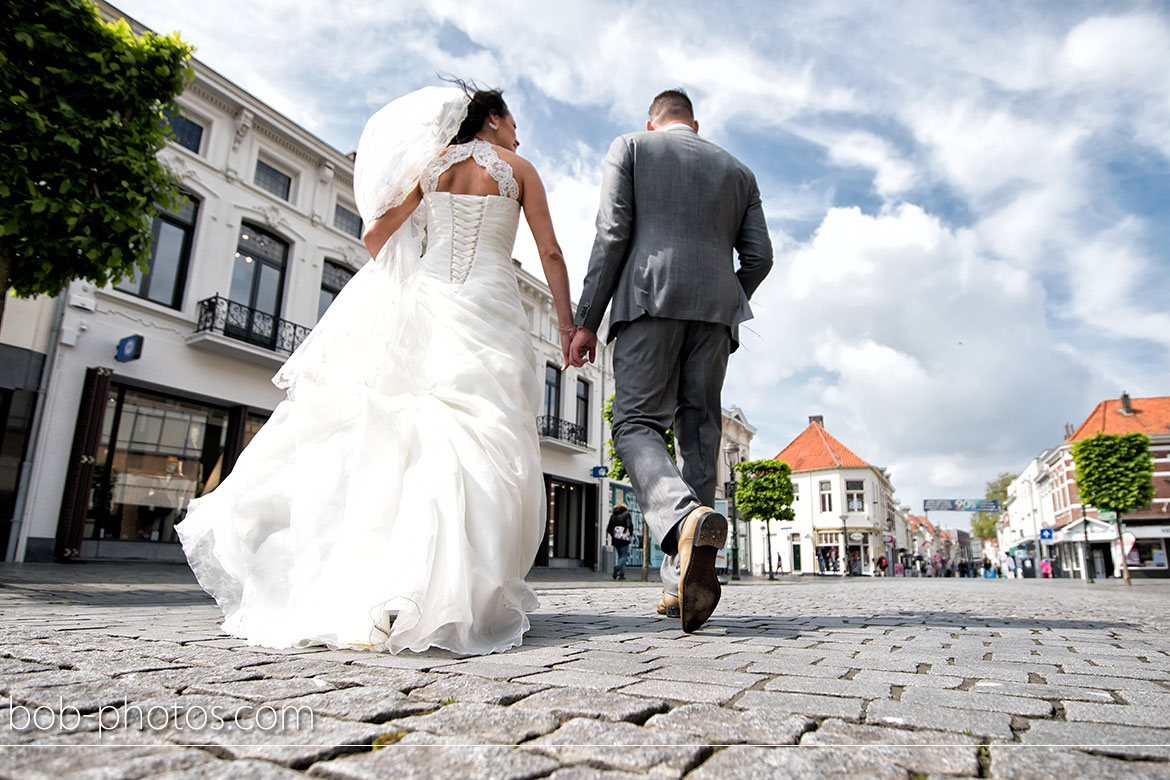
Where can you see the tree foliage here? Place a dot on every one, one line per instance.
(765, 493)
(617, 469)
(83, 118)
(1115, 472)
(765, 490)
(983, 524)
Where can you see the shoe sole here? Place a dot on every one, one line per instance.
(699, 589)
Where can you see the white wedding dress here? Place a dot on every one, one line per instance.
(402, 475)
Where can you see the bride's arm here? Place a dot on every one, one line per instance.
(535, 204)
(378, 232)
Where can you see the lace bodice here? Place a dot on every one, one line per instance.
(485, 155)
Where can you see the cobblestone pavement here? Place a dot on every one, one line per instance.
(128, 676)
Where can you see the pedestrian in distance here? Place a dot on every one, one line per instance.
(621, 533)
(676, 210)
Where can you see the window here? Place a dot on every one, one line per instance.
(269, 178)
(552, 391)
(826, 496)
(166, 273)
(855, 495)
(583, 404)
(333, 278)
(257, 286)
(184, 132)
(156, 454)
(347, 220)
(1147, 554)
(795, 491)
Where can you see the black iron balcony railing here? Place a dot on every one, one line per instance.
(556, 428)
(243, 323)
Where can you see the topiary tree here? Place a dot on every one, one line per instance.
(1115, 473)
(765, 493)
(82, 121)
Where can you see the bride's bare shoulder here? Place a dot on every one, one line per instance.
(520, 166)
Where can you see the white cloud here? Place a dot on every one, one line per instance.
(925, 351)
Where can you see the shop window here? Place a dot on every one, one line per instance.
(156, 454)
(1147, 554)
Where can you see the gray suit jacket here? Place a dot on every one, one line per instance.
(673, 207)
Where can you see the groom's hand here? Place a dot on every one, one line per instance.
(583, 348)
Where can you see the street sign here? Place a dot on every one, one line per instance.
(1128, 540)
(129, 348)
(1046, 534)
(599, 471)
(1105, 514)
(987, 505)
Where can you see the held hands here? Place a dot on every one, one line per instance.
(567, 335)
(582, 349)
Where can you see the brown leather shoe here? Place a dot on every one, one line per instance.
(701, 535)
(668, 605)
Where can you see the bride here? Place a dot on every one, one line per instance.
(394, 500)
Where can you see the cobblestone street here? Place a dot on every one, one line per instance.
(121, 671)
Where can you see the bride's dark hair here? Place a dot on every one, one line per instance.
(484, 103)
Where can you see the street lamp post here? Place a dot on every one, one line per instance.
(1085, 545)
(731, 456)
(844, 547)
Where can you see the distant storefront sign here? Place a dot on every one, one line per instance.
(988, 505)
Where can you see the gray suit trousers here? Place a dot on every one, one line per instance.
(669, 373)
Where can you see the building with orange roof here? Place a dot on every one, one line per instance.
(844, 507)
(1045, 496)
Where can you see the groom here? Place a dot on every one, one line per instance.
(673, 207)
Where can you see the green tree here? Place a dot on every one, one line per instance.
(1115, 473)
(983, 524)
(82, 120)
(765, 493)
(617, 469)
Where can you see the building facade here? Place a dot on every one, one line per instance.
(845, 513)
(1046, 519)
(150, 388)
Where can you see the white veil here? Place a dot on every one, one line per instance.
(396, 144)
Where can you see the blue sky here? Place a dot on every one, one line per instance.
(970, 202)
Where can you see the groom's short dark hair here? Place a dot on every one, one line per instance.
(672, 104)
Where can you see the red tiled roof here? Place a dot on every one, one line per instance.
(1151, 416)
(924, 522)
(815, 449)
